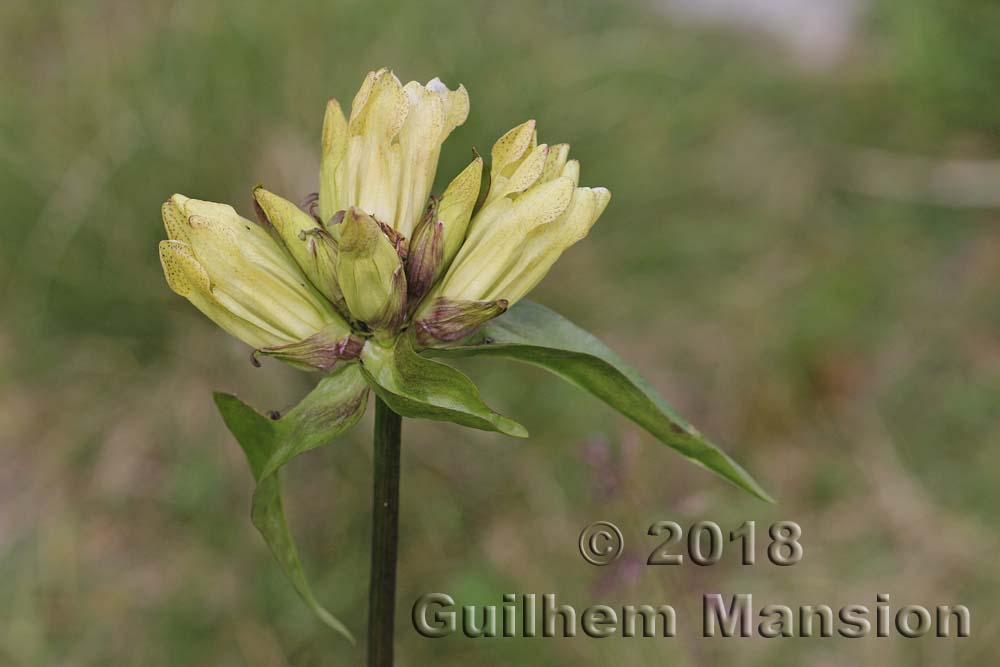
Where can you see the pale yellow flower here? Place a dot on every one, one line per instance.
(372, 252)
(534, 211)
(383, 159)
(235, 273)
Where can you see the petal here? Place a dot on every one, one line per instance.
(331, 195)
(511, 147)
(546, 243)
(209, 209)
(455, 209)
(186, 276)
(554, 162)
(434, 111)
(380, 107)
(526, 174)
(420, 146)
(174, 219)
(372, 173)
(603, 196)
(456, 104)
(571, 170)
(495, 239)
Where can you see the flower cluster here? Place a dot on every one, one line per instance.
(373, 254)
(371, 274)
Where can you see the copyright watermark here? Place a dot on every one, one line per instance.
(701, 544)
(601, 543)
(437, 615)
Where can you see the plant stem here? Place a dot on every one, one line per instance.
(385, 536)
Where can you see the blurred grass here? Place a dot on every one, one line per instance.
(842, 345)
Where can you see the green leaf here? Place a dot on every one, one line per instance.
(534, 334)
(334, 406)
(417, 387)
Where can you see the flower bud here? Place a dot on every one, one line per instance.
(449, 320)
(495, 239)
(236, 274)
(310, 245)
(324, 252)
(426, 254)
(546, 243)
(533, 212)
(370, 272)
(518, 161)
(455, 208)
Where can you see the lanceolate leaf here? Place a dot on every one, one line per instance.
(335, 405)
(534, 334)
(417, 387)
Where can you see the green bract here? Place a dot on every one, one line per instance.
(372, 275)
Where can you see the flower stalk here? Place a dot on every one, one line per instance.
(385, 536)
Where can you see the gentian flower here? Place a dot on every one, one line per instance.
(373, 274)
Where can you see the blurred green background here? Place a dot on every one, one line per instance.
(802, 254)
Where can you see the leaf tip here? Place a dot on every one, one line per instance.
(765, 496)
(329, 619)
(511, 427)
(221, 397)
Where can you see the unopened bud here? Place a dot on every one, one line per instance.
(370, 272)
(448, 320)
(311, 246)
(323, 252)
(426, 254)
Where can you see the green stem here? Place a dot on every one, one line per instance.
(385, 536)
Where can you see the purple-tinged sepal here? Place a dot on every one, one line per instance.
(394, 312)
(397, 240)
(426, 255)
(310, 204)
(448, 320)
(321, 351)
